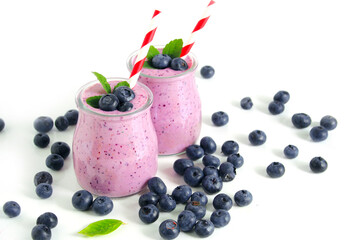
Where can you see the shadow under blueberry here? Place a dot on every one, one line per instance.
(243, 138)
(207, 120)
(304, 166)
(261, 171)
(304, 134)
(278, 152)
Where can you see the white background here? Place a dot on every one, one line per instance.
(310, 48)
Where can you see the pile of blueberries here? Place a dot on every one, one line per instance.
(191, 218)
(83, 200)
(162, 61)
(118, 100)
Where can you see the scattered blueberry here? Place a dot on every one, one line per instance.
(193, 176)
(208, 145)
(124, 94)
(318, 133)
(207, 71)
(82, 200)
(236, 159)
(246, 103)
(125, 107)
(243, 198)
(41, 140)
(148, 198)
(61, 123)
(220, 118)
(49, 219)
(178, 64)
(169, 229)
(43, 124)
(44, 190)
(257, 137)
(211, 160)
(161, 61)
(186, 220)
(222, 201)
(229, 147)
(43, 177)
(149, 213)
(328, 122)
(199, 197)
(276, 107)
(301, 120)
(72, 116)
(55, 162)
(282, 96)
(41, 232)
(181, 193)
(60, 148)
(109, 102)
(180, 165)
(204, 228)
(197, 208)
(167, 203)
(318, 164)
(210, 170)
(156, 185)
(212, 184)
(220, 218)
(2, 124)
(291, 151)
(227, 171)
(11, 209)
(194, 152)
(102, 205)
(275, 170)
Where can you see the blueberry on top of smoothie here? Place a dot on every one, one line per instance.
(124, 94)
(161, 61)
(178, 64)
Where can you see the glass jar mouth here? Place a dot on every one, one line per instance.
(85, 107)
(194, 65)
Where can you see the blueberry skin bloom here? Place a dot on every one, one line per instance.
(186, 220)
(197, 208)
(82, 200)
(102, 205)
(12, 209)
(227, 171)
(149, 213)
(109, 102)
(169, 229)
(43, 177)
(301, 120)
(291, 151)
(41, 232)
(211, 160)
(275, 170)
(178, 64)
(318, 133)
(208, 145)
(243, 198)
(43, 124)
(194, 152)
(246, 103)
(257, 137)
(193, 176)
(148, 198)
(318, 164)
(220, 118)
(236, 159)
(41, 140)
(72, 116)
(161, 61)
(60, 148)
(49, 219)
(328, 122)
(180, 165)
(124, 94)
(2, 124)
(222, 201)
(282, 96)
(167, 203)
(220, 218)
(156, 185)
(44, 190)
(229, 147)
(55, 162)
(199, 197)
(181, 193)
(212, 184)
(204, 228)
(207, 72)
(276, 107)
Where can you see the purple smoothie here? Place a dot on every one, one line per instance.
(114, 153)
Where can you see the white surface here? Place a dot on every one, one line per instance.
(309, 48)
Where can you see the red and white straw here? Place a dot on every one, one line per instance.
(141, 57)
(200, 24)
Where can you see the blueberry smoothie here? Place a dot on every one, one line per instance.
(176, 111)
(115, 153)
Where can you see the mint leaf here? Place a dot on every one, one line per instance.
(101, 227)
(93, 101)
(173, 48)
(148, 65)
(123, 83)
(103, 82)
(152, 53)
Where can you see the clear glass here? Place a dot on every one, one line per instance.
(114, 153)
(176, 111)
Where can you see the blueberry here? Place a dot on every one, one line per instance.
(41, 232)
(181, 193)
(211, 160)
(12, 209)
(246, 103)
(193, 176)
(229, 147)
(125, 107)
(301, 120)
(208, 145)
(328, 122)
(199, 197)
(124, 94)
(55, 162)
(207, 71)
(222, 201)
(41, 140)
(236, 159)
(149, 213)
(49, 219)
(212, 184)
(72, 116)
(243, 198)
(194, 152)
(161, 61)
(167, 203)
(275, 170)
(282, 96)
(210, 170)
(318, 164)
(102, 205)
(178, 64)
(220, 118)
(156, 185)
(148, 198)
(44, 190)
(61, 123)
(82, 200)
(109, 102)
(220, 218)
(186, 220)
(43, 124)
(197, 208)
(257, 137)
(227, 171)
(276, 107)
(318, 133)
(60, 148)
(204, 228)
(291, 151)
(43, 177)
(2, 124)
(169, 229)
(180, 165)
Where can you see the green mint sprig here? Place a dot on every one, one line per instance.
(103, 82)
(101, 227)
(122, 83)
(94, 101)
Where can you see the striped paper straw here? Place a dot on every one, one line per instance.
(201, 23)
(141, 56)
